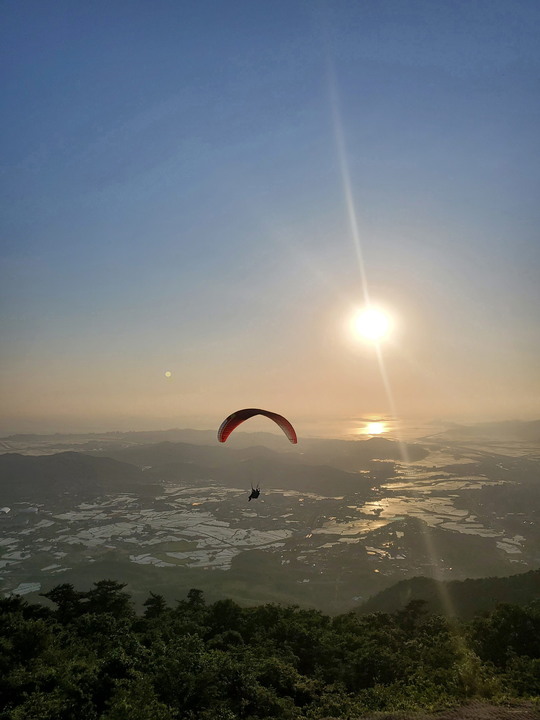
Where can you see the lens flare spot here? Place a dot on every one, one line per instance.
(168, 374)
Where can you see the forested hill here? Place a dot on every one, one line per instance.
(462, 598)
(91, 657)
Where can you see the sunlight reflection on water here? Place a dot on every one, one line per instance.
(370, 424)
(419, 498)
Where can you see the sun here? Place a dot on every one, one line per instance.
(372, 324)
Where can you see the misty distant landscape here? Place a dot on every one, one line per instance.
(337, 522)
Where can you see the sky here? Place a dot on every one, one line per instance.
(197, 198)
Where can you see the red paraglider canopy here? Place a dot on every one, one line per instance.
(238, 417)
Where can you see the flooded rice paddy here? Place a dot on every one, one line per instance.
(208, 526)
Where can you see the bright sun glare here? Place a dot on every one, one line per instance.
(372, 324)
(374, 428)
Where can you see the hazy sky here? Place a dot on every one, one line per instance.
(175, 200)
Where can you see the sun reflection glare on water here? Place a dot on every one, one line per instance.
(374, 428)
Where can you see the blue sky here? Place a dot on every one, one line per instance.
(173, 200)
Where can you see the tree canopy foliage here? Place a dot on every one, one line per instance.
(93, 657)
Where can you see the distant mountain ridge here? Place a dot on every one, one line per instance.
(326, 467)
(348, 455)
(345, 454)
(184, 463)
(46, 477)
(460, 598)
(528, 430)
(26, 478)
(520, 430)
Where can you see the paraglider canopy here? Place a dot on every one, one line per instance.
(238, 417)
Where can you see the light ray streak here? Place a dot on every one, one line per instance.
(346, 181)
(353, 221)
(355, 232)
(392, 404)
(427, 537)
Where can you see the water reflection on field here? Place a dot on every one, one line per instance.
(426, 495)
(378, 522)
